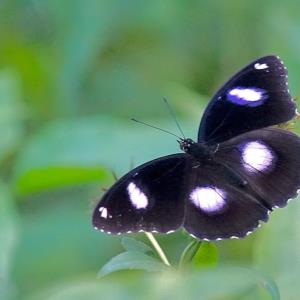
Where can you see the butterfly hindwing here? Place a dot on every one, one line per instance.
(218, 206)
(253, 173)
(254, 98)
(268, 159)
(149, 198)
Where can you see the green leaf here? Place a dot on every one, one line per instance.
(132, 260)
(207, 255)
(37, 180)
(131, 244)
(188, 253)
(199, 254)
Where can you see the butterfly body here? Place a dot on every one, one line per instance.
(224, 184)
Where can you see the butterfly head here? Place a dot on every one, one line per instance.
(200, 151)
(186, 144)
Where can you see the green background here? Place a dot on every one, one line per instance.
(72, 74)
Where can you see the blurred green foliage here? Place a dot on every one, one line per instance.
(72, 73)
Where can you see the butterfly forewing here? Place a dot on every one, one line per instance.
(149, 198)
(254, 98)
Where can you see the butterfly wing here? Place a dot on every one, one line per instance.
(219, 207)
(253, 173)
(254, 98)
(269, 160)
(149, 198)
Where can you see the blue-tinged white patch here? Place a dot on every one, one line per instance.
(138, 199)
(208, 199)
(257, 157)
(249, 96)
(259, 66)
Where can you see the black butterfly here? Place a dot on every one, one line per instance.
(231, 178)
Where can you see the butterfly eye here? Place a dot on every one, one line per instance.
(257, 157)
(186, 144)
(208, 199)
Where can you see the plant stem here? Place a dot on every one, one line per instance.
(157, 247)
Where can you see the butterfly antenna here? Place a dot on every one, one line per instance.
(173, 115)
(114, 175)
(152, 126)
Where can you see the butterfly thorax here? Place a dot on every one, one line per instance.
(199, 151)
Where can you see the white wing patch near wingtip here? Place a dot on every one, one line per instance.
(138, 199)
(259, 66)
(103, 212)
(257, 157)
(208, 199)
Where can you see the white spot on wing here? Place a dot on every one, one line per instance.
(103, 211)
(257, 156)
(136, 196)
(208, 199)
(246, 94)
(259, 66)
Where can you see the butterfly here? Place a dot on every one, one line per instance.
(226, 182)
